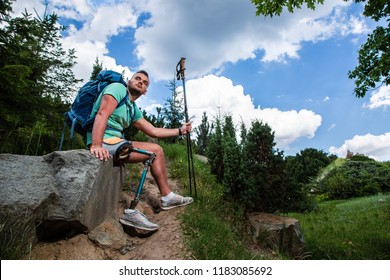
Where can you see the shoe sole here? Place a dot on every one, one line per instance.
(127, 223)
(174, 206)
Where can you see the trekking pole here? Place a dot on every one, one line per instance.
(191, 170)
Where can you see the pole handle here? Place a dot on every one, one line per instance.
(180, 67)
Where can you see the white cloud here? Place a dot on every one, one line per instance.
(218, 96)
(375, 146)
(208, 33)
(211, 33)
(379, 98)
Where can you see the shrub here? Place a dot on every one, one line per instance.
(356, 179)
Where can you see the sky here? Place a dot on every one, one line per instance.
(289, 71)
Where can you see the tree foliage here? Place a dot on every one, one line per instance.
(356, 178)
(272, 8)
(231, 158)
(214, 151)
(173, 112)
(265, 184)
(96, 68)
(373, 68)
(305, 165)
(203, 132)
(36, 82)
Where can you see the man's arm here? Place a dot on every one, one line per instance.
(156, 132)
(107, 107)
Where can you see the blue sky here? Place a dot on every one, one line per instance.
(289, 71)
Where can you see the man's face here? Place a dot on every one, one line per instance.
(138, 84)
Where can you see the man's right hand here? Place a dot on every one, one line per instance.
(99, 152)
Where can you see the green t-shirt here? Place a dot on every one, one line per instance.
(122, 117)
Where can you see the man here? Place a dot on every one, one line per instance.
(106, 138)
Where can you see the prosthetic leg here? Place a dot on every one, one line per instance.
(122, 153)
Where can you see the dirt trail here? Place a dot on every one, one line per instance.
(164, 244)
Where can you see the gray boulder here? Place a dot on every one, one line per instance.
(60, 193)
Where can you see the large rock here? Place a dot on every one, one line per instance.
(59, 193)
(284, 233)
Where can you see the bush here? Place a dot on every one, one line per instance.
(356, 179)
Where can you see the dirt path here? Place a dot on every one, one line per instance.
(112, 241)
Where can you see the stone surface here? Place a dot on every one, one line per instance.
(60, 193)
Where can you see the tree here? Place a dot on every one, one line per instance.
(271, 8)
(374, 56)
(231, 158)
(305, 165)
(243, 133)
(214, 151)
(173, 111)
(36, 81)
(96, 68)
(265, 183)
(202, 134)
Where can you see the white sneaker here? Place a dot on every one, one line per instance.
(176, 201)
(135, 218)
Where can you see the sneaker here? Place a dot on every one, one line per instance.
(135, 218)
(176, 201)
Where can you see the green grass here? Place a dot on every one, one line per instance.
(213, 229)
(15, 237)
(354, 229)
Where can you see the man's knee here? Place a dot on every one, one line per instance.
(151, 147)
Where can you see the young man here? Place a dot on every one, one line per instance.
(106, 138)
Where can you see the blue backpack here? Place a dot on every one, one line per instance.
(79, 118)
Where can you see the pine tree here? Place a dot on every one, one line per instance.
(173, 112)
(231, 158)
(203, 132)
(266, 185)
(214, 151)
(96, 68)
(36, 82)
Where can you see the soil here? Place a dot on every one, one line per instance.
(112, 241)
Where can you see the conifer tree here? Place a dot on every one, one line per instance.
(214, 151)
(265, 183)
(36, 81)
(96, 68)
(231, 158)
(203, 134)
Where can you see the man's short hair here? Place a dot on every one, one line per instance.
(143, 72)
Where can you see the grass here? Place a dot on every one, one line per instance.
(354, 229)
(213, 230)
(15, 237)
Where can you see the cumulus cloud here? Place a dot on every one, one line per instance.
(208, 33)
(219, 96)
(96, 26)
(375, 146)
(379, 98)
(210, 36)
